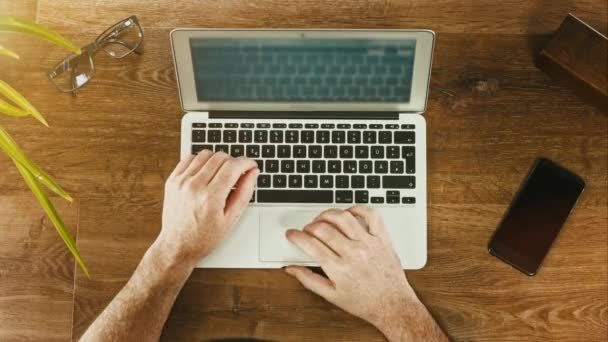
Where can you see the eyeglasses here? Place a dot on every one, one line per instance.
(118, 41)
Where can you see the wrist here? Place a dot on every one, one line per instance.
(167, 259)
(399, 312)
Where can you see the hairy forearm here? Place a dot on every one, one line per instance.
(140, 309)
(410, 321)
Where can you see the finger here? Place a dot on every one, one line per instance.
(311, 246)
(198, 162)
(182, 165)
(239, 199)
(210, 168)
(227, 176)
(344, 221)
(372, 218)
(329, 235)
(312, 281)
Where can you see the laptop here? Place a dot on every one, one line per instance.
(332, 117)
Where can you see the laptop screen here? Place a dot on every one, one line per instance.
(303, 70)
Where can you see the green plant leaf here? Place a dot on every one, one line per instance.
(7, 52)
(12, 24)
(19, 100)
(8, 109)
(50, 210)
(12, 149)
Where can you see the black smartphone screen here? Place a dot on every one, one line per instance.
(536, 216)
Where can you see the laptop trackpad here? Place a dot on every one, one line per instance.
(274, 246)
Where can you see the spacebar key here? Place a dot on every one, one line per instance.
(295, 196)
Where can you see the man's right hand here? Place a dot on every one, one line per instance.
(365, 275)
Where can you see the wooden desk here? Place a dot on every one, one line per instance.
(491, 113)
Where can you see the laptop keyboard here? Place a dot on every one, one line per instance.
(320, 162)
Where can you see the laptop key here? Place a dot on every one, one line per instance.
(287, 166)
(385, 137)
(408, 200)
(350, 166)
(197, 148)
(222, 148)
(398, 182)
(260, 164)
(357, 182)
(365, 166)
(199, 125)
(311, 181)
(318, 166)
(338, 137)
(409, 154)
(369, 137)
(322, 137)
(361, 152)
(344, 196)
(283, 151)
(405, 137)
(263, 125)
(215, 125)
(252, 151)
(327, 181)
(307, 136)
(330, 151)
(295, 181)
(311, 126)
(396, 166)
(375, 126)
(268, 151)
(295, 196)
(292, 136)
(392, 152)
(237, 150)
(314, 151)
(392, 199)
(214, 135)
(299, 151)
(346, 152)
(245, 136)
(276, 136)
(198, 135)
(377, 152)
(272, 166)
(354, 137)
(381, 166)
(279, 181)
(229, 136)
(334, 166)
(264, 181)
(342, 182)
(361, 196)
(373, 182)
(375, 200)
(231, 125)
(303, 166)
(260, 136)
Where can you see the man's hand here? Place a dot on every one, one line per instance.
(365, 275)
(200, 207)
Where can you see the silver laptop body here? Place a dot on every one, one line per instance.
(333, 118)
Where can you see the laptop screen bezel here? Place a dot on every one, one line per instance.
(180, 40)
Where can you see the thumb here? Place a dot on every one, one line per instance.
(312, 281)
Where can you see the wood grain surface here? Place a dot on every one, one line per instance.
(491, 113)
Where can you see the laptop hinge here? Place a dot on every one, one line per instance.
(303, 115)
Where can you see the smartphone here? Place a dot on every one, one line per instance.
(537, 214)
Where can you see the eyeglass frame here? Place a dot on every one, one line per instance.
(92, 49)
